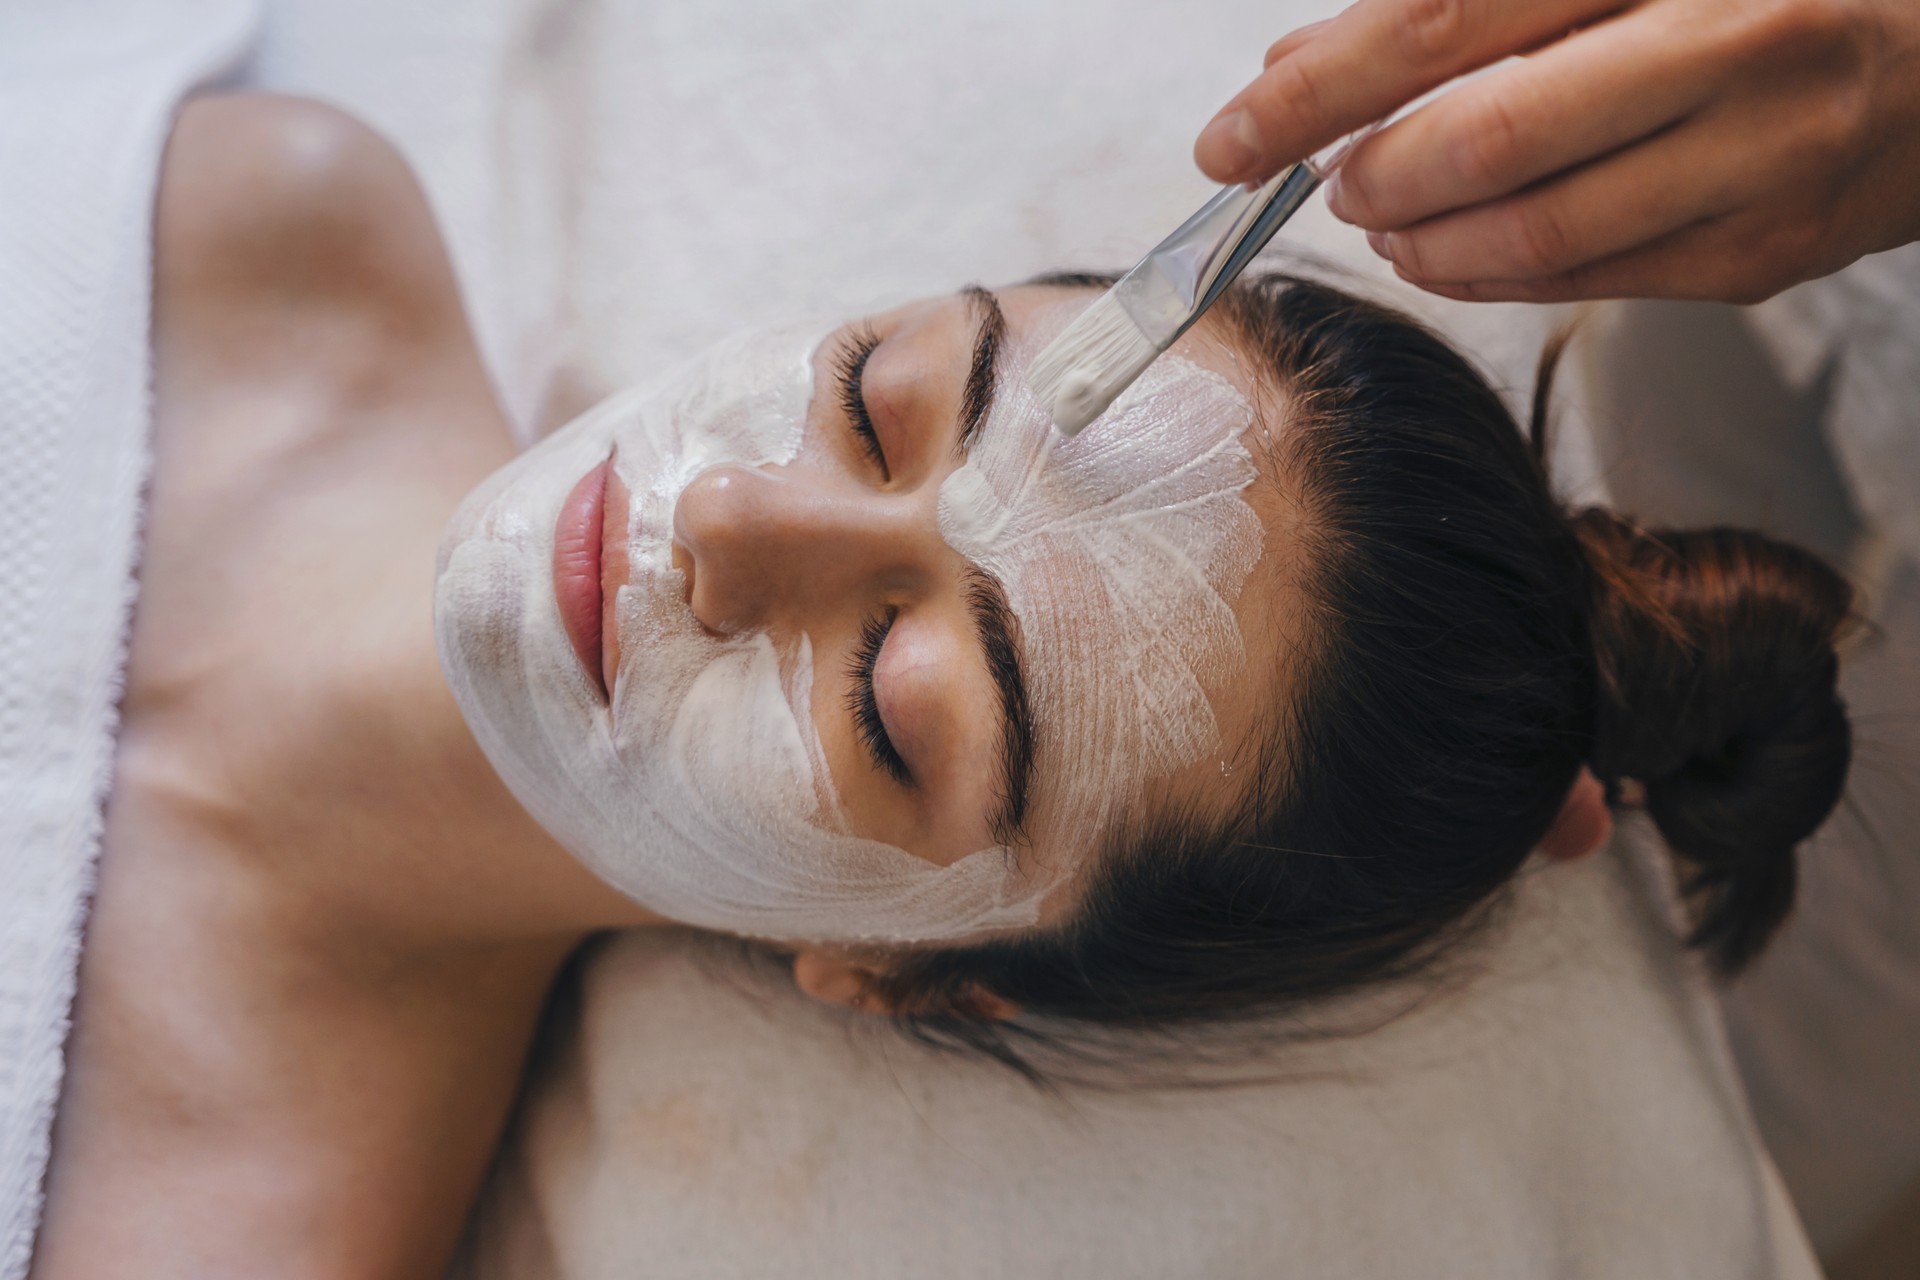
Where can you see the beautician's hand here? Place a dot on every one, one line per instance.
(1668, 148)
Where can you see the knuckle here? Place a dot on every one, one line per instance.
(1434, 31)
(1487, 146)
(1803, 24)
(1542, 241)
(1294, 90)
(1769, 29)
(1806, 175)
(1292, 41)
(1410, 255)
(1840, 124)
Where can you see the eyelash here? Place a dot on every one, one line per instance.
(865, 706)
(851, 366)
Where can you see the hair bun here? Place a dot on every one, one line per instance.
(1718, 694)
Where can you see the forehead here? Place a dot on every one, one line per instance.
(1125, 552)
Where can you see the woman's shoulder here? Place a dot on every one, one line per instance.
(283, 218)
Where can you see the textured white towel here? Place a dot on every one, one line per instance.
(86, 94)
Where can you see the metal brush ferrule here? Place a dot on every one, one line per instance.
(1174, 285)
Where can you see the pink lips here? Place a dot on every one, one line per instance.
(578, 537)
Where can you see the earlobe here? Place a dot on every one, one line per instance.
(835, 978)
(1584, 823)
(832, 978)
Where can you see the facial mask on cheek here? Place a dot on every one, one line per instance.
(702, 791)
(1122, 551)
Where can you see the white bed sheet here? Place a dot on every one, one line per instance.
(1571, 1112)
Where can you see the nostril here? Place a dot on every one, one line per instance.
(683, 560)
(716, 536)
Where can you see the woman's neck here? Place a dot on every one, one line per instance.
(323, 930)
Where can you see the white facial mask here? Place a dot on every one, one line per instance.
(702, 791)
(1122, 551)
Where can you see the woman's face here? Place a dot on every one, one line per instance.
(831, 638)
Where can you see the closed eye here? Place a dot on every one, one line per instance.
(850, 367)
(865, 705)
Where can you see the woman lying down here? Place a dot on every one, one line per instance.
(1256, 693)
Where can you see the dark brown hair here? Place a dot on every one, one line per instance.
(1469, 646)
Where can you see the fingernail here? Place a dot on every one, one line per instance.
(1234, 142)
(1382, 242)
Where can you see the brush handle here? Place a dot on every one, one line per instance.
(1290, 191)
(1282, 198)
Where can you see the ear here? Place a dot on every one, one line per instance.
(833, 976)
(1584, 823)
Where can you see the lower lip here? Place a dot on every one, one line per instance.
(614, 570)
(577, 537)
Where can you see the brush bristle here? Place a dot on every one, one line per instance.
(1093, 360)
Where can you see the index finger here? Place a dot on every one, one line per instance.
(1326, 81)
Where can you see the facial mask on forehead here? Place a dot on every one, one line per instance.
(701, 791)
(1122, 551)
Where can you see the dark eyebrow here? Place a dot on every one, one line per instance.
(993, 620)
(984, 372)
(994, 624)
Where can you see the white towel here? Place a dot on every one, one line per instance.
(1859, 327)
(87, 91)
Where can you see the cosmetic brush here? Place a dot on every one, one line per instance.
(1108, 345)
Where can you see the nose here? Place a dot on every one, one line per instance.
(770, 545)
